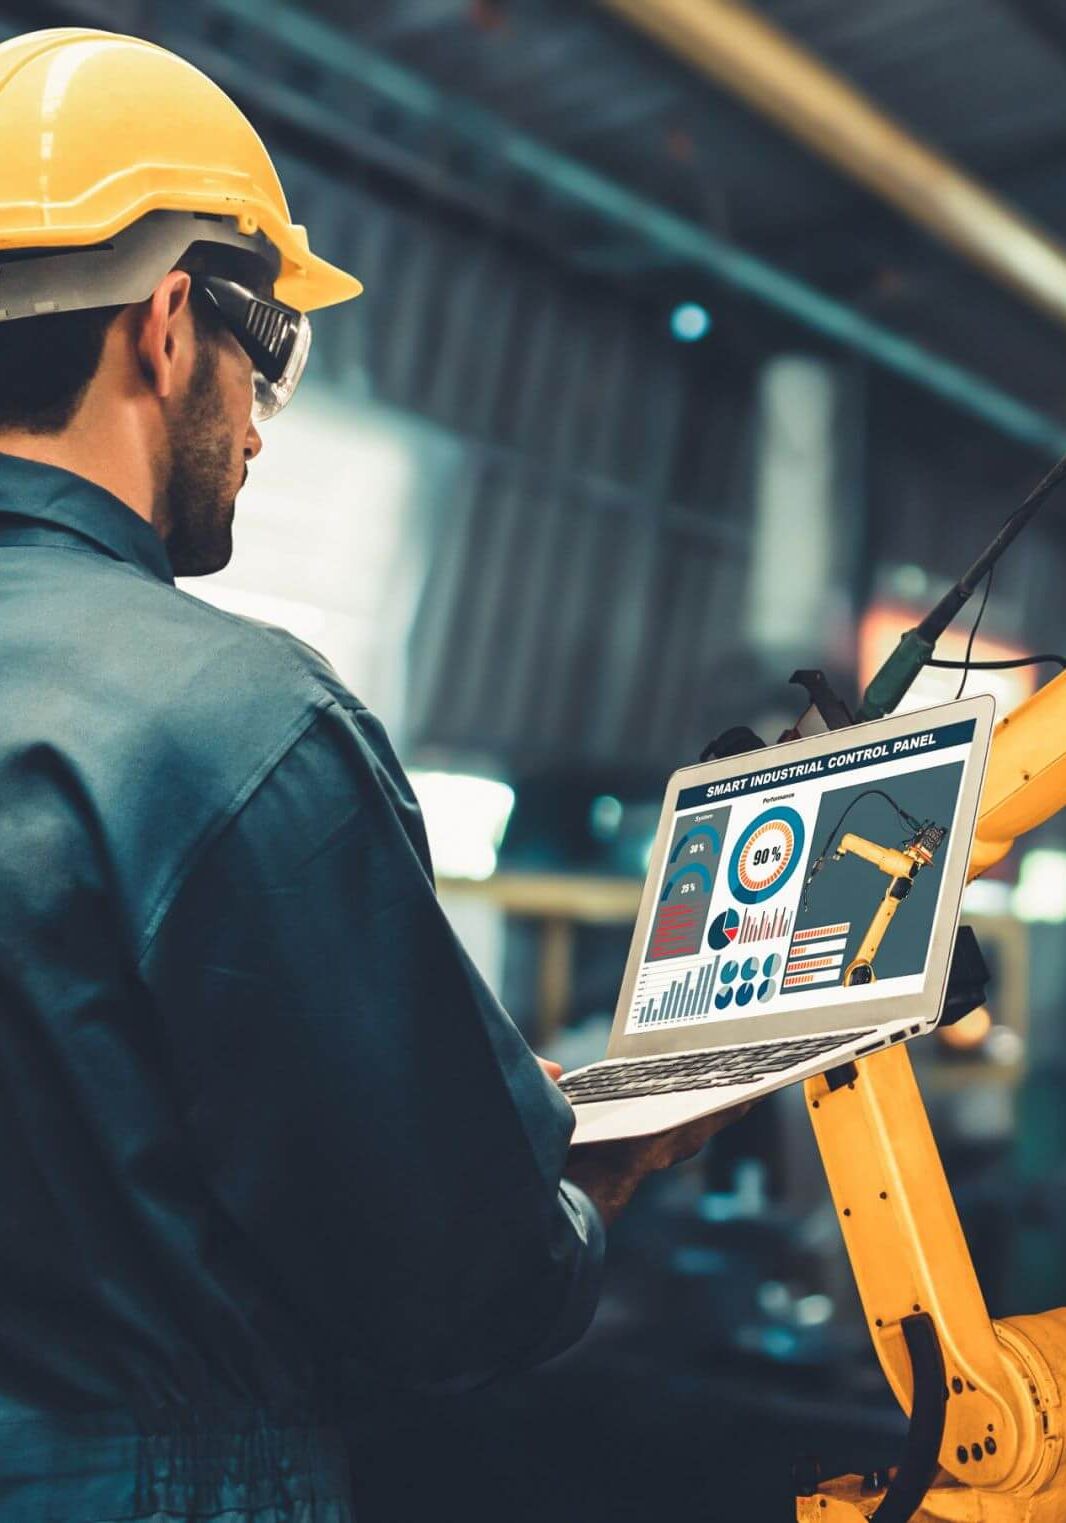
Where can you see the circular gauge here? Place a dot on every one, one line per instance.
(766, 855)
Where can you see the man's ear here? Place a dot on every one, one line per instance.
(161, 332)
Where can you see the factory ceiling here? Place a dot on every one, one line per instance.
(983, 82)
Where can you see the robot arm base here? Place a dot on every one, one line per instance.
(849, 1499)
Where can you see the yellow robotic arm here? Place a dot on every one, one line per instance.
(1026, 779)
(897, 864)
(902, 866)
(990, 1392)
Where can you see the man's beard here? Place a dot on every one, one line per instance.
(198, 504)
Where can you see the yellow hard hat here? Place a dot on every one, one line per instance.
(99, 130)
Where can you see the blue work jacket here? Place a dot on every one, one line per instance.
(266, 1137)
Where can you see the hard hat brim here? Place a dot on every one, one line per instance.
(319, 285)
(305, 280)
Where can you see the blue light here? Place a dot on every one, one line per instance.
(690, 322)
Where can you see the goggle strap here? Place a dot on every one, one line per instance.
(268, 326)
(266, 330)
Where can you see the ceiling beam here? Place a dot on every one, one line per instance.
(517, 156)
(400, 23)
(784, 81)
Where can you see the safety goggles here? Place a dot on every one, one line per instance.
(276, 339)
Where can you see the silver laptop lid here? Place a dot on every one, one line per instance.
(774, 875)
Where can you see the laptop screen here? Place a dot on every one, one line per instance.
(810, 882)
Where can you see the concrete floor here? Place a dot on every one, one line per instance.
(589, 1440)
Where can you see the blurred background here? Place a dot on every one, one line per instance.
(700, 342)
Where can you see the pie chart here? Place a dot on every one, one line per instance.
(723, 931)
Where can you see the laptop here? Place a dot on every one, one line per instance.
(799, 911)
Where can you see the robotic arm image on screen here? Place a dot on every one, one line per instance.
(901, 864)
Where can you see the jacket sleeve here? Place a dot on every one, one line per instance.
(364, 1110)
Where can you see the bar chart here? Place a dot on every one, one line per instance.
(686, 998)
(764, 926)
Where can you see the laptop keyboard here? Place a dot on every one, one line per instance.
(697, 1070)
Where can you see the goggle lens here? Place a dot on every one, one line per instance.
(271, 396)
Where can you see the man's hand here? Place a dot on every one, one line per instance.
(609, 1172)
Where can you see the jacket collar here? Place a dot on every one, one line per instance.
(49, 495)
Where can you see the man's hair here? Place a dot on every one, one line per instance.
(48, 363)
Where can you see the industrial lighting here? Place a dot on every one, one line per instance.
(690, 322)
(1041, 891)
(465, 818)
(911, 582)
(986, 896)
(605, 816)
(813, 1311)
(970, 1032)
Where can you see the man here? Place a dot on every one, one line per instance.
(266, 1138)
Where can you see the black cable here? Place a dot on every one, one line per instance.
(998, 666)
(909, 820)
(967, 663)
(917, 1469)
(938, 618)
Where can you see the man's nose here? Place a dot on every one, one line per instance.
(253, 442)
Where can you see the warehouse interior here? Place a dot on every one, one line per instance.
(654, 396)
